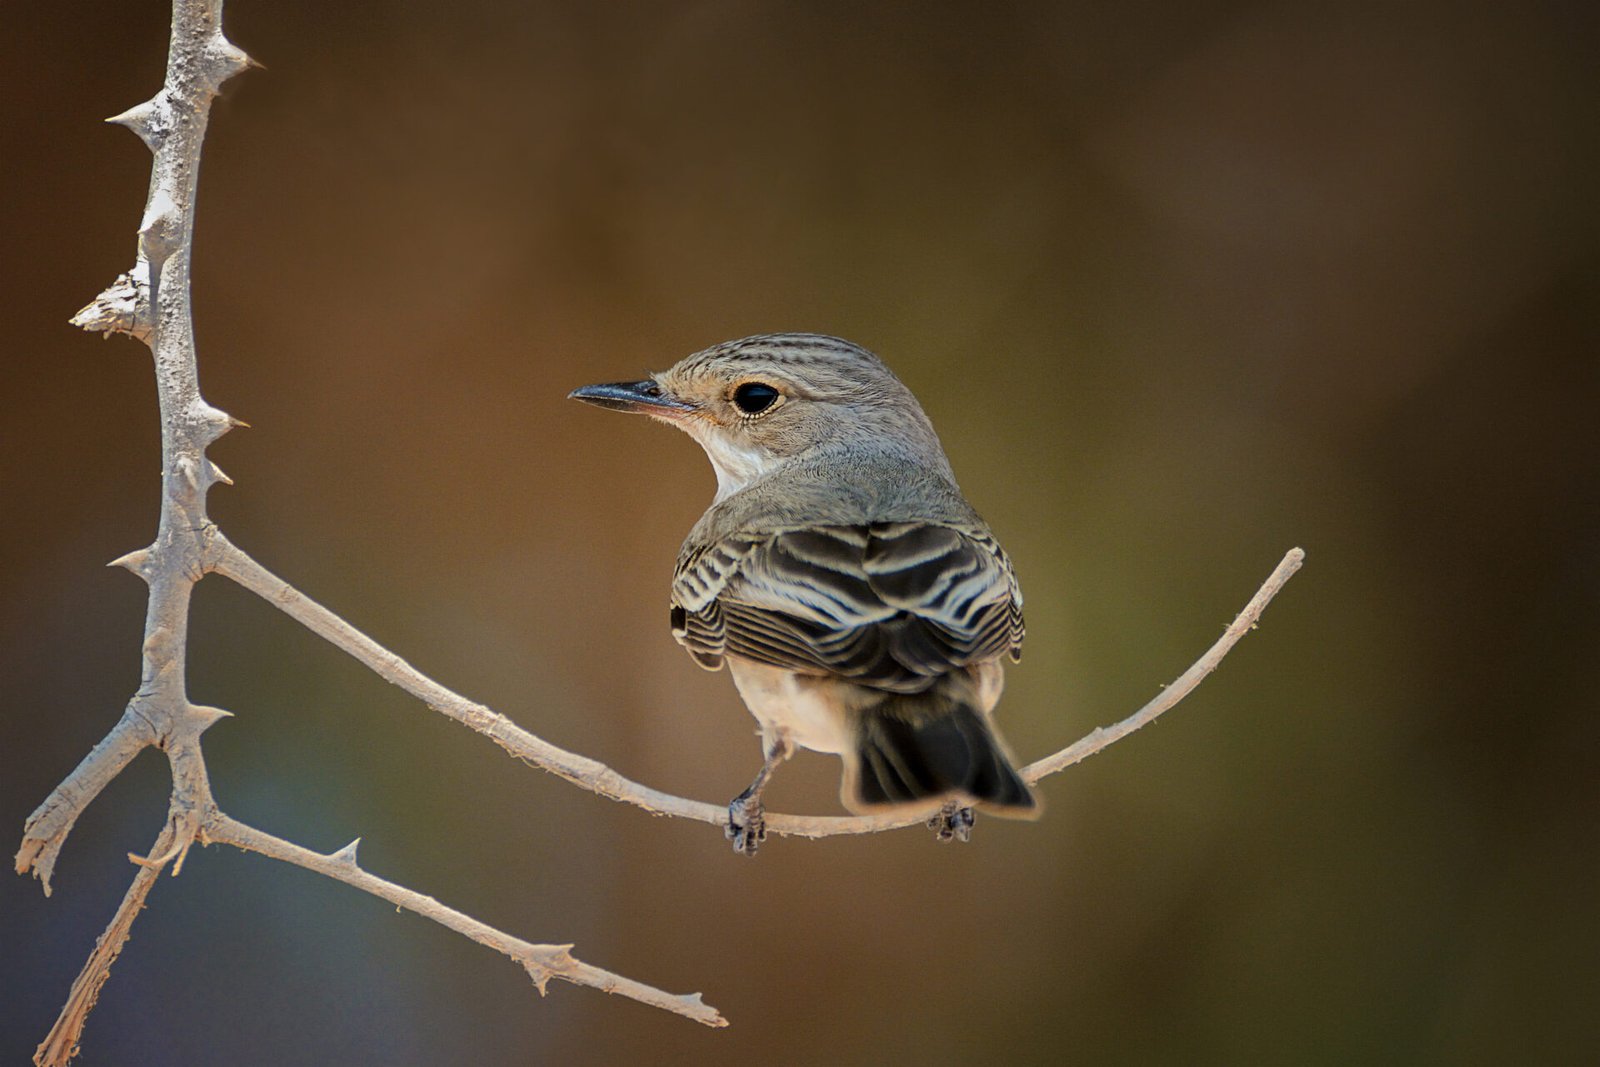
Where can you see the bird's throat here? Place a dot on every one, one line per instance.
(736, 464)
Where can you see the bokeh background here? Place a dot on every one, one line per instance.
(1182, 286)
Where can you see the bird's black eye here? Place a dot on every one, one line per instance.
(753, 398)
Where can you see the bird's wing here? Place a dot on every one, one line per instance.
(893, 605)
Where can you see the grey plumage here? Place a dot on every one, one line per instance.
(863, 606)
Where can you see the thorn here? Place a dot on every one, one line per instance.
(697, 1005)
(231, 59)
(135, 116)
(135, 561)
(158, 229)
(158, 861)
(214, 422)
(154, 639)
(159, 212)
(116, 310)
(556, 960)
(206, 717)
(346, 854)
(183, 854)
(697, 1001)
(145, 120)
(215, 474)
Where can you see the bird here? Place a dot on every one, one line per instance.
(861, 605)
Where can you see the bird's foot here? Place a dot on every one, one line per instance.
(952, 822)
(747, 824)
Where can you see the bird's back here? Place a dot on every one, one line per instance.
(882, 575)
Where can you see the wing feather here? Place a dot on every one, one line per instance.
(891, 605)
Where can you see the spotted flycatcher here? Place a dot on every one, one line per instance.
(861, 605)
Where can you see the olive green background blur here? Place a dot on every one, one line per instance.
(1182, 286)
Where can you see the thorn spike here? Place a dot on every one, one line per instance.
(231, 59)
(214, 422)
(133, 117)
(116, 310)
(145, 120)
(159, 234)
(134, 561)
(207, 717)
(346, 854)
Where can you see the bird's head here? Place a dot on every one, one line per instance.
(762, 402)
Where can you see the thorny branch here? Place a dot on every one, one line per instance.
(151, 303)
(542, 962)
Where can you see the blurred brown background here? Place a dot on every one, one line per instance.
(1182, 286)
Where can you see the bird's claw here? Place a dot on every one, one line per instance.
(747, 825)
(952, 822)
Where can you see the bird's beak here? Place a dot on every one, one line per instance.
(644, 398)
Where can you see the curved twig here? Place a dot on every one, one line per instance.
(596, 777)
(1182, 686)
(542, 962)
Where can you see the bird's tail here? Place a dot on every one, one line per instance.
(918, 746)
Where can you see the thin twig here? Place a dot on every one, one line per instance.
(1185, 683)
(542, 962)
(61, 1043)
(595, 776)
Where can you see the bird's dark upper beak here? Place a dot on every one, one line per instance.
(645, 398)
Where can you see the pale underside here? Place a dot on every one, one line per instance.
(819, 712)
